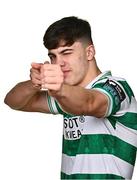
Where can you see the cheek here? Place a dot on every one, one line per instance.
(80, 69)
(81, 65)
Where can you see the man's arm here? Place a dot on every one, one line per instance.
(80, 101)
(27, 96)
(73, 99)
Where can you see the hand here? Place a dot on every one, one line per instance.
(35, 74)
(51, 76)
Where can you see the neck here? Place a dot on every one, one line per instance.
(92, 72)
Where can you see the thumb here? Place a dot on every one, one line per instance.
(36, 65)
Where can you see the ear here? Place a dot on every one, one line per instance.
(90, 50)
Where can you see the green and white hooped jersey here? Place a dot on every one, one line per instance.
(101, 148)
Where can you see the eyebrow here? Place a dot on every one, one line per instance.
(52, 54)
(65, 50)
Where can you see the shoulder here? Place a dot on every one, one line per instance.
(115, 86)
(118, 91)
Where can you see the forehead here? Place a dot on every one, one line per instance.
(61, 48)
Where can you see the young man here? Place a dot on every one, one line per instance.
(100, 111)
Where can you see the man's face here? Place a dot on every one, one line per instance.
(73, 62)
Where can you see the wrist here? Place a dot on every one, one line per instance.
(58, 93)
(34, 87)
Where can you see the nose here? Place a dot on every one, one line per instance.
(60, 61)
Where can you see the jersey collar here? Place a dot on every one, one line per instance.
(100, 76)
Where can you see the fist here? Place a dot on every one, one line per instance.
(51, 77)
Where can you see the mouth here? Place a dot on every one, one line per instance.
(65, 73)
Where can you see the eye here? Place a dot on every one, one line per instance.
(67, 53)
(52, 59)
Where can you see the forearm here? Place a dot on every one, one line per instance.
(20, 95)
(74, 99)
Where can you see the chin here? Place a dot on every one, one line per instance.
(70, 82)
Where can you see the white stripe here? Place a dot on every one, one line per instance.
(94, 125)
(103, 126)
(127, 106)
(54, 105)
(126, 134)
(133, 106)
(96, 164)
(117, 78)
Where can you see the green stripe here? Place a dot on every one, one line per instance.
(90, 176)
(66, 115)
(50, 105)
(99, 84)
(58, 108)
(127, 89)
(102, 80)
(100, 144)
(129, 120)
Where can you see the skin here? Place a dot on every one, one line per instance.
(71, 62)
(71, 69)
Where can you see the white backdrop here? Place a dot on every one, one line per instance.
(30, 143)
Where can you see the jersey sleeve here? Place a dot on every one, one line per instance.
(118, 93)
(51, 104)
(54, 106)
